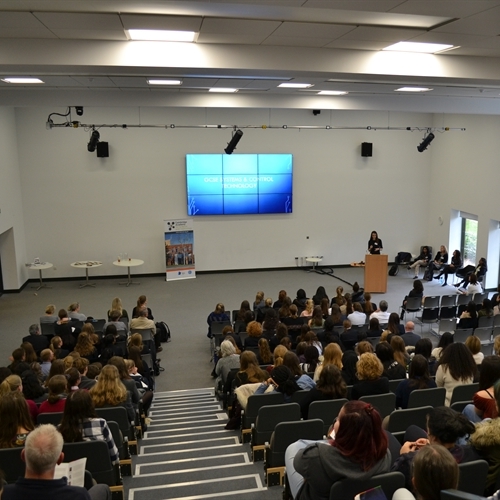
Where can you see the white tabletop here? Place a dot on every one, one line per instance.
(85, 264)
(42, 265)
(128, 262)
(314, 259)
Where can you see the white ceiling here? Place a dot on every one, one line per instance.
(81, 51)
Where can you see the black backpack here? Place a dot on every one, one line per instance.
(394, 270)
(164, 331)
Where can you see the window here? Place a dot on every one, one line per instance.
(468, 243)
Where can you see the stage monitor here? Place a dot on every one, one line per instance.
(219, 184)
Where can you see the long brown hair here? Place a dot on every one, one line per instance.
(109, 389)
(249, 365)
(15, 416)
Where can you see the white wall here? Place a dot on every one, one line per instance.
(78, 206)
(12, 240)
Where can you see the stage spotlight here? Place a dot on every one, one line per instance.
(94, 139)
(233, 142)
(79, 110)
(423, 145)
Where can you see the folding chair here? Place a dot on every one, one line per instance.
(49, 418)
(327, 411)
(445, 325)
(12, 465)
(484, 333)
(485, 322)
(267, 419)
(472, 477)
(413, 305)
(496, 320)
(119, 415)
(254, 404)
(300, 396)
(374, 341)
(430, 311)
(47, 329)
(427, 397)
(123, 450)
(400, 420)
(461, 335)
(459, 406)
(384, 403)
(479, 297)
(286, 433)
(393, 384)
(462, 302)
(464, 392)
(98, 324)
(347, 489)
(487, 349)
(448, 301)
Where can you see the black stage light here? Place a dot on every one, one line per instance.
(233, 142)
(94, 139)
(79, 110)
(423, 145)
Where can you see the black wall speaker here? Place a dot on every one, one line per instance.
(366, 148)
(103, 150)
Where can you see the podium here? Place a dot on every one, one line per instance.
(376, 273)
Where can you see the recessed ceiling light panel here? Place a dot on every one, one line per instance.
(333, 92)
(158, 81)
(424, 48)
(21, 80)
(295, 85)
(222, 90)
(413, 89)
(162, 35)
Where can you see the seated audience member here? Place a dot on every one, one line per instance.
(46, 358)
(374, 329)
(108, 349)
(357, 293)
(416, 291)
(332, 356)
(382, 313)
(49, 316)
(228, 361)
(291, 361)
(259, 301)
(349, 361)
(399, 348)
(269, 323)
(254, 330)
(116, 305)
(129, 384)
(94, 370)
(86, 348)
(250, 371)
(81, 423)
(18, 356)
(110, 392)
(311, 356)
(347, 309)
(58, 386)
(368, 306)
(31, 387)
(392, 369)
(486, 440)
(74, 312)
(281, 333)
(300, 300)
(486, 309)
(311, 339)
(142, 322)
(16, 420)
(142, 302)
(320, 295)
(418, 378)
(330, 385)
(468, 271)
(369, 371)
(348, 337)
(282, 295)
(473, 286)
(228, 331)
(357, 317)
(66, 329)
(452, 268)
(468, 318)
(56, 368)
(73, 380)
(13, 383)
(249, 317)
(409, 336)
(282, 381)
(424, 348)
(484, 405)
(284, 310)
(293, 323)
(422, 260)
(244, 308)
(142, 368)
(329, 334)
(394, 326)
(262, 312)
(30, 355)
(316, 322)
(362, 347)
(339, 298)
(474, 345)
(279, 354)
(445, 340)
(356, 449)
(307, 312)
(36, 339)
(287, 342)
(456, 367)
(42, 452)
(434, 470)
(56, 346)
(82, 365)
(444, 427)
(264, 356)
(114, 319)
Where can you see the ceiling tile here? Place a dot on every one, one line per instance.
(312, 30)
(296, 42)
(148, 22)
(79, 21)
(380, 34)
(454, 8)
(37, 32)
(475, 41)
(238, 26)
(22, 25)
(342, 43)
(485, 23)
(130, 81)
(366, 5)
(230, 38)
(199, 82)
(94, 81)
(84, 34)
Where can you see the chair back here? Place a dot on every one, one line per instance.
(448, 312)
(47, 329)
(431, 302)
(400, 420)
(13, 467)
(119, 415)
(447, 325)
(461, 334)
(485, 322)
(286, 433)
(347, 489)
(413, 304)
(300, 396)
(98, 324)
(487, 349)
(448, 300)
(327, 411)
(472, 477)
(384, 403)
(496, 320)
(374, 341)
(479, 297)
(459, 406)
(146, 333)
(463, 300)
(393, 384)
(427, 397)
(255, 403)
(148, 358)
(49, 418)
(123, 451)
(269, 417)
(216, 327)
(483, 333)
(360, 328)
(464, 392)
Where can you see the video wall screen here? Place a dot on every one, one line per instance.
(219, 184)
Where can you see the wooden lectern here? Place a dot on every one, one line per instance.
(376, 273)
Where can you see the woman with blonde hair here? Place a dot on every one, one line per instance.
(279, 354)
(109, 391)
(13, 383)
(85, 347)
(16, 420)
(49, 316)
(332, 356)
(56, 347)
(308, 311)
(369, 370)
(116, 305)
(259, 301)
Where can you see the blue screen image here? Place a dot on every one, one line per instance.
(219, 184)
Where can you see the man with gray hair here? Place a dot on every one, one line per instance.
(38, 341)
(382, 313)
(42, 452)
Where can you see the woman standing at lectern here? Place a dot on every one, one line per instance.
(374, 244)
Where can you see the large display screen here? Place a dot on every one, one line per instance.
(219, 184)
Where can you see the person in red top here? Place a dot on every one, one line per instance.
(56, 401)
(484, 400)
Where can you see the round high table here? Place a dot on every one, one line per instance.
(128, 263)
(314, 261)
(86, 264)
(40, 267)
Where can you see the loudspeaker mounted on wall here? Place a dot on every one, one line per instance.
(366, 148)
(102, 150)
